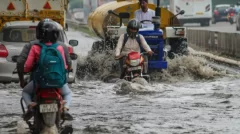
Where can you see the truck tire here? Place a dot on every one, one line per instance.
(179, 47)
(97, 46)
(184, 48)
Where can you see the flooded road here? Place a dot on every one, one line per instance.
(192, 99)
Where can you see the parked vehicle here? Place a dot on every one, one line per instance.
(220, 13)
(14, 35)
(196, 11)
(231, 17)
(17, 27)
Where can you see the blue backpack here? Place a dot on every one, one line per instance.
(50, 71)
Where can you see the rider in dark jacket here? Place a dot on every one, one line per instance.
(27, 89)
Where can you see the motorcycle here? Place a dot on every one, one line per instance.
(47, 113)
(231, 17)
(136, 65)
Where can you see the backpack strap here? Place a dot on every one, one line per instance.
(126, 38)
(138, 40)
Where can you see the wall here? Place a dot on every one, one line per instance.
(220, 42)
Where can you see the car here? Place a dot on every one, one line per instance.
(220, 13)
(13, 36)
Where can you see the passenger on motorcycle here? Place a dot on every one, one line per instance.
(131, 44)
(44, 28)
(231, 10)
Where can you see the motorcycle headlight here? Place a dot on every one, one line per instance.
(135, 62)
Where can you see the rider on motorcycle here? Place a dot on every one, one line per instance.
(231, 10)
(30, 55)
(131, 43)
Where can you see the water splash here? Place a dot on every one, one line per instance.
(103, 65)
(50, 130)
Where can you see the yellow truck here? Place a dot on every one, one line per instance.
(35, 10)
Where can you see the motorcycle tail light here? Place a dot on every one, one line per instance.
(49, 95)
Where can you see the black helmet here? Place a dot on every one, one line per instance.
(135, 25)
(47, 31)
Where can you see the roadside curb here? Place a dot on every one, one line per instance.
(215, 57)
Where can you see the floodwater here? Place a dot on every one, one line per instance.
(189, 97)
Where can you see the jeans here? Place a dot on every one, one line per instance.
(121, 63)
(29, 88)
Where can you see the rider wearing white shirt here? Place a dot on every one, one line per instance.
(144, 13)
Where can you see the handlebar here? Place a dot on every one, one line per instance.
(146, 21)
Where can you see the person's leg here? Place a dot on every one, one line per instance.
(122, 69)
(66, 93)
(27, 93)
(27, 97)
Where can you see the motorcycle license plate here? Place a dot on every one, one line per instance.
(47, 108)
(134, 68)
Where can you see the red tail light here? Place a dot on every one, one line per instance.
(70, 49)
(3, 51)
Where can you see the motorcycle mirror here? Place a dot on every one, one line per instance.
(181, 12)
(73, 56)
(14, 58)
